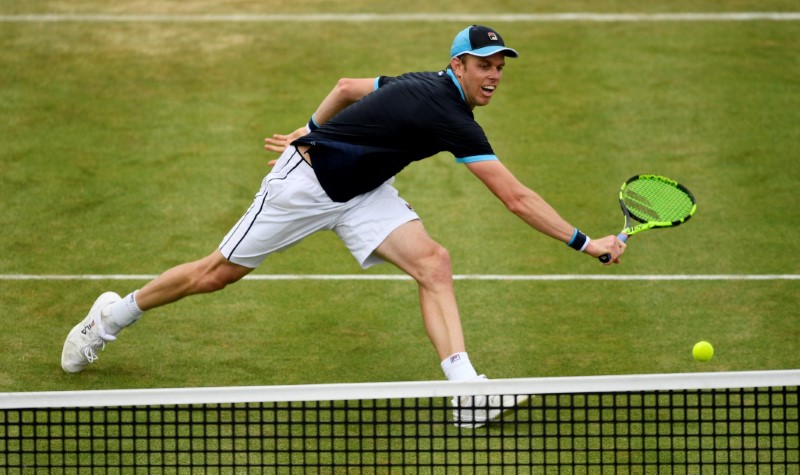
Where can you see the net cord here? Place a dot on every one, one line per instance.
(396, 390)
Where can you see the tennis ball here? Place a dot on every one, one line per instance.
(703, 351)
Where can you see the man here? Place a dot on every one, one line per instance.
(336, 174)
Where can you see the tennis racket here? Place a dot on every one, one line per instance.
(654, 202)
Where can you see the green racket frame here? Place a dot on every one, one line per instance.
(653, 201)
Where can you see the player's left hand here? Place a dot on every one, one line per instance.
(278, 142)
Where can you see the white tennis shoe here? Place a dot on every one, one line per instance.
(88, 337)
(477, 411)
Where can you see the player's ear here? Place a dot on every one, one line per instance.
(457, 65)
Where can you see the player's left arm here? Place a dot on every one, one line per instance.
(534, 210)
(345, 92)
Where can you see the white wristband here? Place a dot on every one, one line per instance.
(586, 244)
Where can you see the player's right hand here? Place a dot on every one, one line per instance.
(606, 245)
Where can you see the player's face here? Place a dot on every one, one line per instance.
(479, 77)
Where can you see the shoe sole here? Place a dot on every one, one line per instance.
(102, 301)
(520, 401)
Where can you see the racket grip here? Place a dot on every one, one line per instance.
(607, 257)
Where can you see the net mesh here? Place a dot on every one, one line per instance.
(745, 430)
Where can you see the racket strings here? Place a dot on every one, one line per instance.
(657, 201)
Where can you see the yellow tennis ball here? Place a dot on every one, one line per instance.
(703, 351)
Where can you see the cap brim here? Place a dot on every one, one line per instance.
(490, 50)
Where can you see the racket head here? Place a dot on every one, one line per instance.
(654, 201)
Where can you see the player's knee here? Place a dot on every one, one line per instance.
(213, 276)
(210, 283)
(435, 267)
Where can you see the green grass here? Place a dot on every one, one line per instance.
(128, 148)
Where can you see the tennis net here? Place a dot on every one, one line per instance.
(695, 423)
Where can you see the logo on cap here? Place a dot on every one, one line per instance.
(492, 35)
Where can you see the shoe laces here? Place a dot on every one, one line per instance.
(99, 341)
(88, 350)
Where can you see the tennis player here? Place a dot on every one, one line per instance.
(336, 173)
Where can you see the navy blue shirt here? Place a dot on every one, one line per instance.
(406, 119)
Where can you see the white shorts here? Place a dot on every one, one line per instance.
(291, 205)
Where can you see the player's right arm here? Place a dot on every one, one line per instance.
(345, 92)
(534, 210)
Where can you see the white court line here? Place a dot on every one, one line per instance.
(496, 277)
(406, 17)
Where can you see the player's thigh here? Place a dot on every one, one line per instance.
(370, 219)
(410, 248)
(290, 206)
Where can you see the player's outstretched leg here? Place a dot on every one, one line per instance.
(110, 314)
(476, 411)
(87, 337)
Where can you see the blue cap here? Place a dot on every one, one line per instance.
(479, 41)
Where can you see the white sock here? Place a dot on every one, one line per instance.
(457, 367)
(121, 314)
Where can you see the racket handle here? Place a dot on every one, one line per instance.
(607, 257)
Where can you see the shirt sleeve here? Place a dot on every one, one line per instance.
(381, 81)
(468, 142)
(476, 158)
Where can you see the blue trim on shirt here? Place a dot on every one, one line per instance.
(377, 83)
(477, 158)
(455, 81)
(312, 124)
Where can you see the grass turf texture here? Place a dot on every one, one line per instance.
(132, 147)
